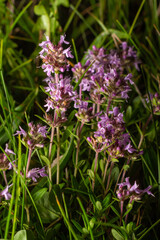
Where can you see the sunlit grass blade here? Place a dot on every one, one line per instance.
(66, 219)
(17, 189)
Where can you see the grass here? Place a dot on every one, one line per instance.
(73, 208)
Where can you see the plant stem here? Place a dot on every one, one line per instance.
(58, 153)
(95, 168)
(144, 130)
(79, 130)
(5, 178)
(49, 167)
(109, 177)
(29, 160)
(124, 171)
(105, 171)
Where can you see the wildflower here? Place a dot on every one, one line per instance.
(128, 55)
(155, 100)
(35, 173)
(132, 192)
(4, 162)
(35, 135)
(54, 57)
(115, 85)
(79, 71)
(5, 193)
(61, 94)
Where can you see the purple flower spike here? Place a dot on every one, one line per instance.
(54, 57)
(35, 173)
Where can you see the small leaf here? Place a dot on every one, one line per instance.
(117, 235)
(85, 230)
(45, 159)
(37, 195)
(40, 10)
(65, 3)
(128, 113)
(92, 222)
(106, 201)
(114, 160)
(126, 167)
(90, 173)
(99, 205)
(21, 235)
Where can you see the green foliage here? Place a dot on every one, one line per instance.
(74, 209)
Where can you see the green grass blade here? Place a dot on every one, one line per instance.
(66, 219)
(71, 16)
(149, 229)
(17, 189)
(83, 19)
(86, 218)
(136, 17)
(17, 19)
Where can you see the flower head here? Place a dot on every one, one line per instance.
(54, 57)
(35, 135)
(132, 192)
(35, 173)
(5, 193)
(4, 162)
(61, 94)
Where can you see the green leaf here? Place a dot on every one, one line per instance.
(77, 225)
(128, 113)
(65, 3)
(117, 235)
(90, 173)
(99, 205)
(40, 10)
(46, 210)
(21, 235)
(37, 195)
(45, 159)
(106, 201)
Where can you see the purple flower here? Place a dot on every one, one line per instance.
(132, 192)
(54, 57)
(21, 132)
(5, 164)
(35, 135)
(155, 100)
(35, 173)
(5, 193)
(61, 94)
